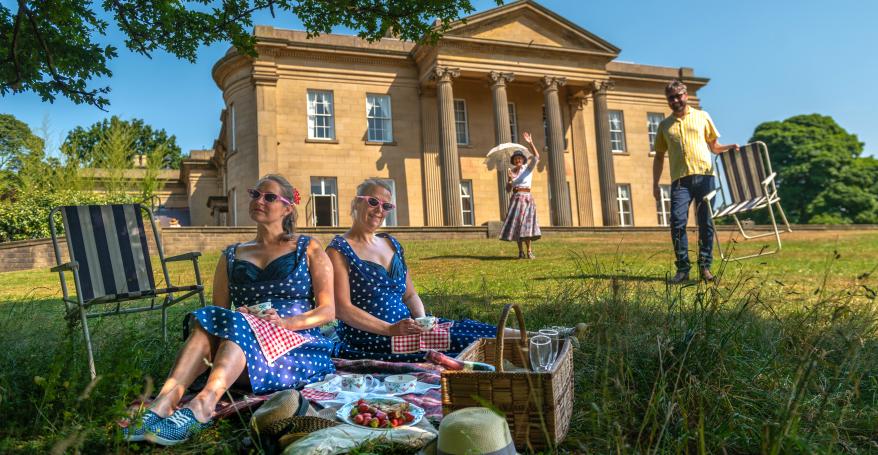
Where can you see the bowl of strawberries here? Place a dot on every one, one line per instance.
(380, 413)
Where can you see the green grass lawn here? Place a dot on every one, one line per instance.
(778, 357)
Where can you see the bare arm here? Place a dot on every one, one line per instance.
(356, 317)
(221, 283)
(412, 299)
(658, 164)
(718, 148)
(530, 141)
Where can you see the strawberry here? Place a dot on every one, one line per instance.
(389, 424)
(408, 416)
(358, 419)
(363, 408)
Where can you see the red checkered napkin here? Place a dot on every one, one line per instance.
(317, 395)
(438, 339)
(273, 340)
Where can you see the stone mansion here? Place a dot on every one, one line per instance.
(331, 111)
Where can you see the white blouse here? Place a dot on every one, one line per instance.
(525, 174)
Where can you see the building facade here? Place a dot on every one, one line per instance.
(331, 111)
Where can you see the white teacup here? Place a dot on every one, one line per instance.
(358, 382)
(426, 322)
(400, 383)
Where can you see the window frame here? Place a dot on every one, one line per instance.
(472, 205)
(652, 134)
(322, 181)
(386, 121)
(620, 132)
(312, 115)
(233, 128)
(458, 122)
(620, 201)
(513, 121)
(664, 216)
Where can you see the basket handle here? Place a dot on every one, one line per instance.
(501, 328)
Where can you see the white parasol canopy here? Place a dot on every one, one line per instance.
(498, 157)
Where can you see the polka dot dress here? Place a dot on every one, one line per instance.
(379, 293)
(290, 294)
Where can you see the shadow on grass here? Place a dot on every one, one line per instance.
(478, 258)
(603, 276)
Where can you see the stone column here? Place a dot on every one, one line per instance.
(502, 132)
(430, 158)
(560, 208)
(607, 177)
(449, 162)
(580, 159)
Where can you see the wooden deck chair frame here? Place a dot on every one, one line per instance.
(108, 244)
(748, 186)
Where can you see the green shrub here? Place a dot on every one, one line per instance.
(27, 217)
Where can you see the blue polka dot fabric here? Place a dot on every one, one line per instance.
(290, 293)
(379, 292)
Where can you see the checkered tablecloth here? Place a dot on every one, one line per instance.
(317, 395)
(438, 339)
(274, 341)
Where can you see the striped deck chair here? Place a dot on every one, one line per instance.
(110, 262)
(747, 184)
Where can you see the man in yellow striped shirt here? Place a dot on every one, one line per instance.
(689, 137)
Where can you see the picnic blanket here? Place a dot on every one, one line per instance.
(429, 373)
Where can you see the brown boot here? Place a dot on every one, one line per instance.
(706, 275)
(679, 278)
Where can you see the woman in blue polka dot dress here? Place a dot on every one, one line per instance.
(375, 298)
(294, 274)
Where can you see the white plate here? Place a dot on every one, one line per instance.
(344, 413)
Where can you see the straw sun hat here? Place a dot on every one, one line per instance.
(474, 430)
(274, 415)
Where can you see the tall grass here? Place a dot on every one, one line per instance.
(751, 364)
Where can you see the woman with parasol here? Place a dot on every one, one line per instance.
(521, 220)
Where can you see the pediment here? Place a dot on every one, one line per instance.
(529, 23)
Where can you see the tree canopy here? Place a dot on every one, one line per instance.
(53, 47)
(82, 143)
(821, 176)
(18, 147)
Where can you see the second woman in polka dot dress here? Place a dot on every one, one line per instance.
(375, 298)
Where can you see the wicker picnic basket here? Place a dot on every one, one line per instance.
(537, 406)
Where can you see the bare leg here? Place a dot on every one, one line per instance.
(228, 365)
(527, 243)
(189, 365)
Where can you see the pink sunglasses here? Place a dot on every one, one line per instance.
(269, 197)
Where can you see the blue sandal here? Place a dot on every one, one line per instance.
(177, 428)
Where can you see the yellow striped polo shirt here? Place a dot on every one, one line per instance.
(686, 140)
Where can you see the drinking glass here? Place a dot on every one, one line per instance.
(540, 351)
(556, 342)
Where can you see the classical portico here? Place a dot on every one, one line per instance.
(558, 60)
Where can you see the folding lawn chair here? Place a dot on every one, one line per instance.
(747, 185)
(110, 262)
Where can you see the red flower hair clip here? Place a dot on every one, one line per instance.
(296, 196)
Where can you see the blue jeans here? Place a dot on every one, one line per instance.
(684, 191)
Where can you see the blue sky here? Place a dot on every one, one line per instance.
(767, 60)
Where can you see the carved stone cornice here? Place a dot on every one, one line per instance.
(500, 78)
(549, 83)
(264, 73)
(602, 87)
(444, 74)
